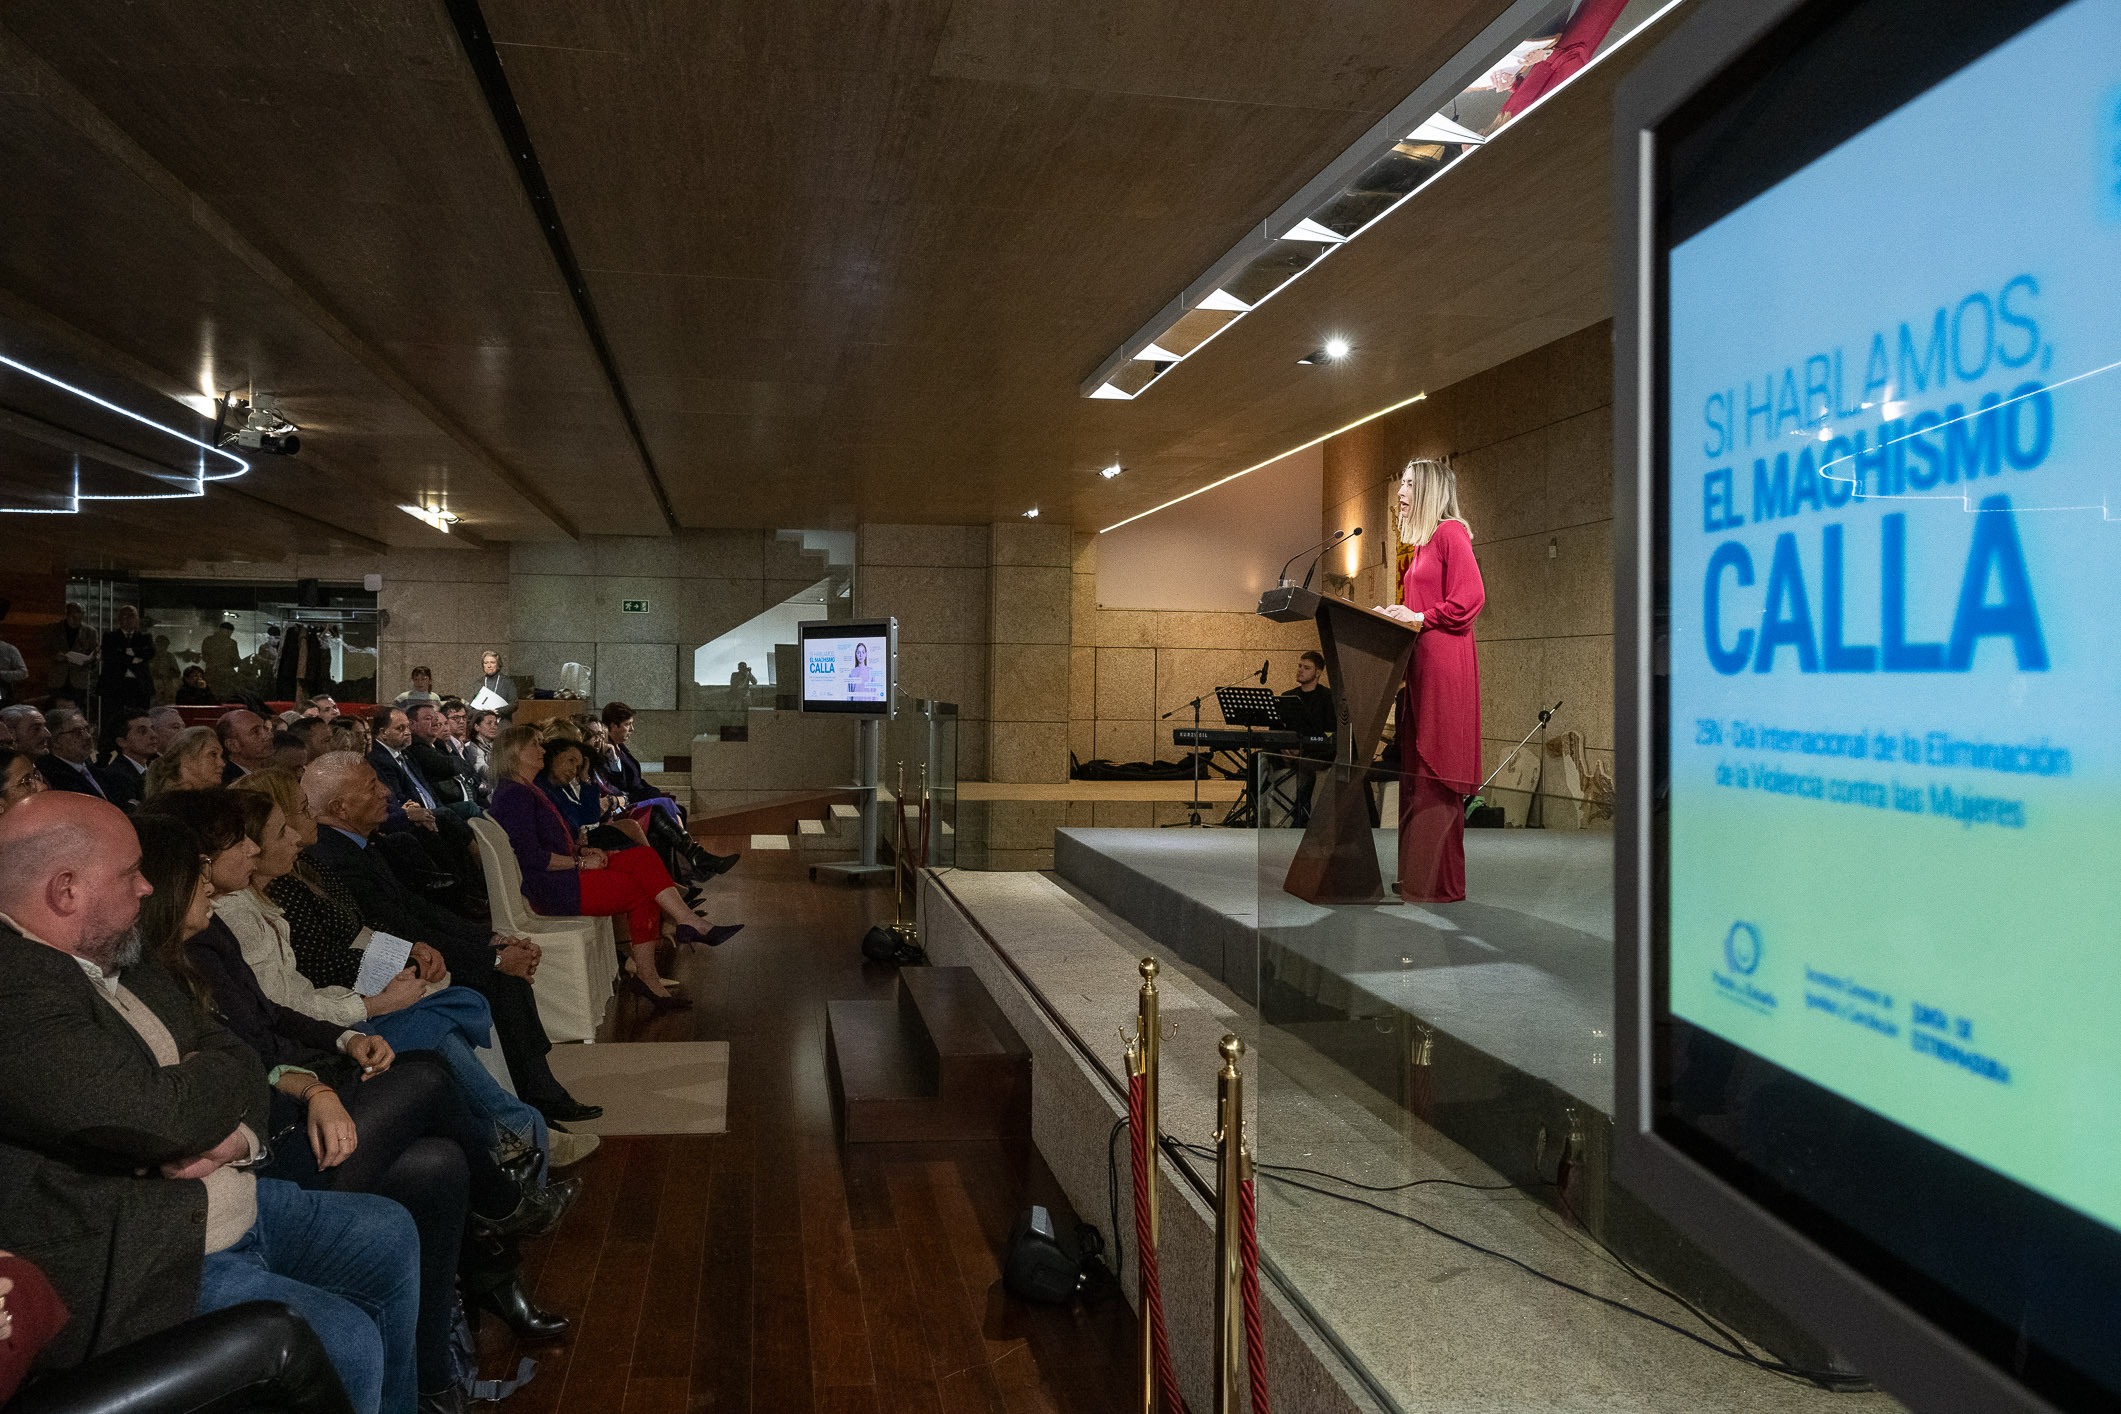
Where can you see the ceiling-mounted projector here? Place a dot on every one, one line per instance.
(262, 425)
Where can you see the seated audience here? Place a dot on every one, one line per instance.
(350, 804)
(168, 722)
(493, 680)
(125, 774)
(324, 706)
(313, 735)
(484, 726)
(289, 751)
(622, 776)
(19, 779)
(564, 878)
(375, 1122)
(130, 1120)
(191, 762)
(416, 1011)
(444, 771)
(246, 743)
(350, 734)
(70, 763)
(26, 725)
(192, 690)
(422, 690)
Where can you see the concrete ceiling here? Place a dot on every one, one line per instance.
(850, 258)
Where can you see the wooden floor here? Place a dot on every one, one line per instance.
(770, 1268)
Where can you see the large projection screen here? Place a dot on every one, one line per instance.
(1869, 376)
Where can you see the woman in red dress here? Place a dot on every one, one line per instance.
(1439, 714)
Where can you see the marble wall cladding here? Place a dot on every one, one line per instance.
(644, 676)
(1030, 681)
(1030, 604)
(1038, 543)
(1030, 614)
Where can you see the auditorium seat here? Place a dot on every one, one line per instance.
(580, 962)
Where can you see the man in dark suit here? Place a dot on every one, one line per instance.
(124, 776)
(416, 812)
(70, 763)
(246, 743)
(446, 773)
(129, 1119)
(125, 681)
(351, 802)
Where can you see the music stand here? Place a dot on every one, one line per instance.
(1253, 708)
(1250, 707)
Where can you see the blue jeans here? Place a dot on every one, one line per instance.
(349, 1264)
(507, 1116)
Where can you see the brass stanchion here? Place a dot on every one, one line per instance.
(1232, 1166)
(1143, 1055)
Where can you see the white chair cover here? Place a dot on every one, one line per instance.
(580, 961)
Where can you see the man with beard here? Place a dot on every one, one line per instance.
(129, 1120)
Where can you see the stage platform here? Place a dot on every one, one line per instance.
(1521, 973)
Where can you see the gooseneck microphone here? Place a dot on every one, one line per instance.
(1263, 672)
(1322, 553)
(1326, 544)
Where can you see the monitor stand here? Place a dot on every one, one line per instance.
(855, 871)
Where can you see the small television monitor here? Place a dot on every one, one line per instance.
(1868, 392)
(849, 668)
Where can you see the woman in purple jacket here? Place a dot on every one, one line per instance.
(564, 878)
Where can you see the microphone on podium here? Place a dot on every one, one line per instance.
(1328, 543)
(1337, 540)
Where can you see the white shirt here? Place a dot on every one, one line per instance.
(268, 946)
(12, 668)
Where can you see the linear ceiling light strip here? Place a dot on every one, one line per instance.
(1294, 223)
(76, 496)
(1301, 447)
(485, 60)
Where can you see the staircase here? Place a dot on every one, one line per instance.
(940, 1061)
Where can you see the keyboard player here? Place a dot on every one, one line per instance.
(1308, 708)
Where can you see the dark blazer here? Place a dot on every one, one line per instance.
(387, 904)
(622, 773)
(122, 784)
(399, 777)
(448, 776)
(61, 774)
(537, 831)
(280, 1035)
(124, 676)
(84, 1107)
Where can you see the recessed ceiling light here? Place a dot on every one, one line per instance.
(1111, 471)
(1332, 351)
(1336, 348)
(1031, 514)
(440, 519)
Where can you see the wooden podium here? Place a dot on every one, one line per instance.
(1366, 661)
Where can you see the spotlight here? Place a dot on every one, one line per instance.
(1031, 514)
(1111, 471)
(1333, 352)
(1336, 348)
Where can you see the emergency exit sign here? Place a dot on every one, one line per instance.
(633, 606)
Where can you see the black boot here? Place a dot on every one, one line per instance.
(538, 1213)
(517, 1311)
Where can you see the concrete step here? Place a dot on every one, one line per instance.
(939, 1061)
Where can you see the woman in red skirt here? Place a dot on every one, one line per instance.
(1439, 714)
(562, 877)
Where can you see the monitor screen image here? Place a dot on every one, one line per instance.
(1890, 786)
(847, 667)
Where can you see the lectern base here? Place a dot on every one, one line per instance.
(1337, 862)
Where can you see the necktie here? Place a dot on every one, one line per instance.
(413, 775)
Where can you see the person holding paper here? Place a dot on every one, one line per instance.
(1439, 712)
(70, 644)
(496, 691)
(388, 997)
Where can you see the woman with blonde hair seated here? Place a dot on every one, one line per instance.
(192, 761)
(563, 877)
